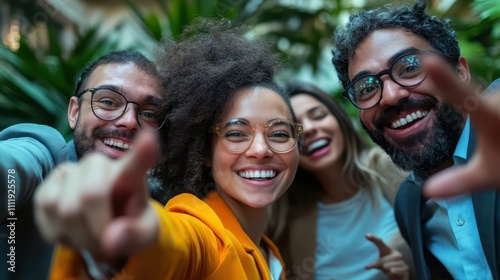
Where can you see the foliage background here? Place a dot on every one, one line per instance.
(37, 79)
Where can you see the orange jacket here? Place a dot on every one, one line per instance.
(199, 239)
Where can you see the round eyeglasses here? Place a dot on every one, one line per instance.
(109, 105)
(237, 135)
(407, 70)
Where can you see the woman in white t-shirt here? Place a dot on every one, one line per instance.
(336, 221)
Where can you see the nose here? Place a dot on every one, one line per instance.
(308, 128)
(259, 148)
(392, 93)
(128, 119)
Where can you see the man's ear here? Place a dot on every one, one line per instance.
(73, 112)
(463, 70)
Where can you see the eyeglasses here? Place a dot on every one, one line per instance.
(237, 135)
(109, 105)
(366, 91)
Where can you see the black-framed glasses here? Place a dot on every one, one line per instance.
(407, 70)
(109, 105)
(238, 134)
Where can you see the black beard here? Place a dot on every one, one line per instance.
(85, 144)
(426, 150)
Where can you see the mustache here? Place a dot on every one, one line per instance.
(102, 132)
(409, 104)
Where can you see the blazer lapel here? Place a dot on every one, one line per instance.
(415, 233)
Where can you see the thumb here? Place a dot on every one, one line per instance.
(455, 90)
(135, 164)
(466, 96)
(453, 181)
(383, 249)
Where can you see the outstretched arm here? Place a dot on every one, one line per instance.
(484, 109)
(28, 152)
(100, 206)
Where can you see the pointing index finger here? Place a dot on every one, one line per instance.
(135, 164)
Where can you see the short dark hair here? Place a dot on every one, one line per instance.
(437, 32)
(120, 57)
(202, 73)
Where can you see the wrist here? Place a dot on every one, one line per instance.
(101, 270)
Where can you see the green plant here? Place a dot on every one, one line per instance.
(35, 85)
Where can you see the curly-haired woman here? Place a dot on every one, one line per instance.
(229, 151)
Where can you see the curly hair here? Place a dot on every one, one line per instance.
(437, 32)
(202, 73)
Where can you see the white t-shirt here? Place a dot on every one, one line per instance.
(342, 251)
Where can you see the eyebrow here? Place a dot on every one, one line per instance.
(313, 109)
(149, 99)
(390, 61)
(247, 122)
(236, 121)
(111, 87)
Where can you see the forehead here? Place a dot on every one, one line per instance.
(374, 52)
(258, 105)
(302, 103)
(127, 77)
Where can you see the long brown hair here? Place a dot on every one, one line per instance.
(305, 190)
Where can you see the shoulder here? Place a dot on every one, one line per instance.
(494, 86)
(378, 159)
(391, 176)
(194, 207)
(37, 137)
(189, 204)
(29, 130)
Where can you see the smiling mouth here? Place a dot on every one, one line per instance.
(117, 144)
(258, 174)
(316, 145)
(409, 118)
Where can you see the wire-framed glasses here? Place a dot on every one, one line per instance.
(238, 134)
(109, 105)
(407, 70)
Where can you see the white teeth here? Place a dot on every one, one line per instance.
(117, 144)
(317, 144)
(258, 174)
(409, 118)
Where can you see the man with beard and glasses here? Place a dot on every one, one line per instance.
(397, 64)
(115, 97)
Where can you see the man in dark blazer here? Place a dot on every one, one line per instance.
(399, 66)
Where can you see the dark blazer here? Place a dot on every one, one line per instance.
(408, 212)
